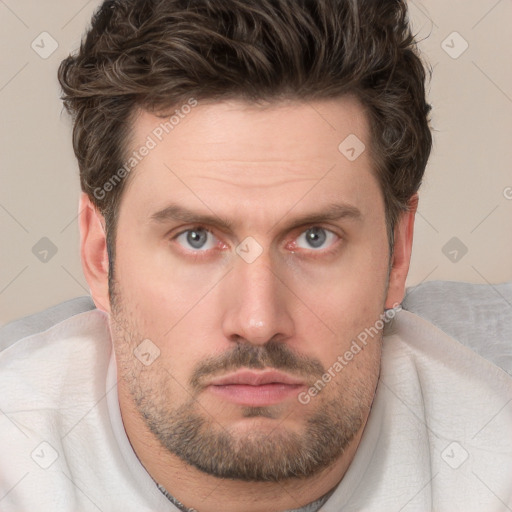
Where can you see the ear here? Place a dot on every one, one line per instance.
(93, 252)
(401, 256)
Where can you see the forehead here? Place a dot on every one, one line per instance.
(248, 131)
(273, 152)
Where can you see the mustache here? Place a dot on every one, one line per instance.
(273, 355)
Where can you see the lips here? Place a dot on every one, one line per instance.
(254, 389)
(251, 378)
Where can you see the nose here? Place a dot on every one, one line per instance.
(258, 303)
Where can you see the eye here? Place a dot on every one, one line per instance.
(315, 238)
(198, 239)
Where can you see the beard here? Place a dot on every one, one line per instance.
(188, 431)
(254, 456)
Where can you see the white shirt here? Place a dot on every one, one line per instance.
(438, 438)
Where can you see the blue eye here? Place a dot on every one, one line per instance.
(199, 241)
(196, 239)
(315, 237)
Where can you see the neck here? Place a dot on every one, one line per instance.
(314, 506)
(206, 493)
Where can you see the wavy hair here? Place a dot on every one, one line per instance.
(155, 54)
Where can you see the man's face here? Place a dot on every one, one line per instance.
(240, 318)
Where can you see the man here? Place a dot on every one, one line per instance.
(250, 174)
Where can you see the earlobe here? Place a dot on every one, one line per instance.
(401, 257)
(93, 252)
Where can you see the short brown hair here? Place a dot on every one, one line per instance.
(155, 54)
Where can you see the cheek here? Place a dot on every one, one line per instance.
(160, 290)
(353, 364)
(349, 296)
(172, 307)
(350, 306)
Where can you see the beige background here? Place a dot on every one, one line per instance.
(466, 199)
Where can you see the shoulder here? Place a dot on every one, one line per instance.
(69, 343)
(50, 377)
(453, 404)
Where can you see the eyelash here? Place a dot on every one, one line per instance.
(200, 255)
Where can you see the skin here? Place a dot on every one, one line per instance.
(261, 168)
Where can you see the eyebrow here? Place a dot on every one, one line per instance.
(331, 212)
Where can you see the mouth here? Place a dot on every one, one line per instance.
(256, 389)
